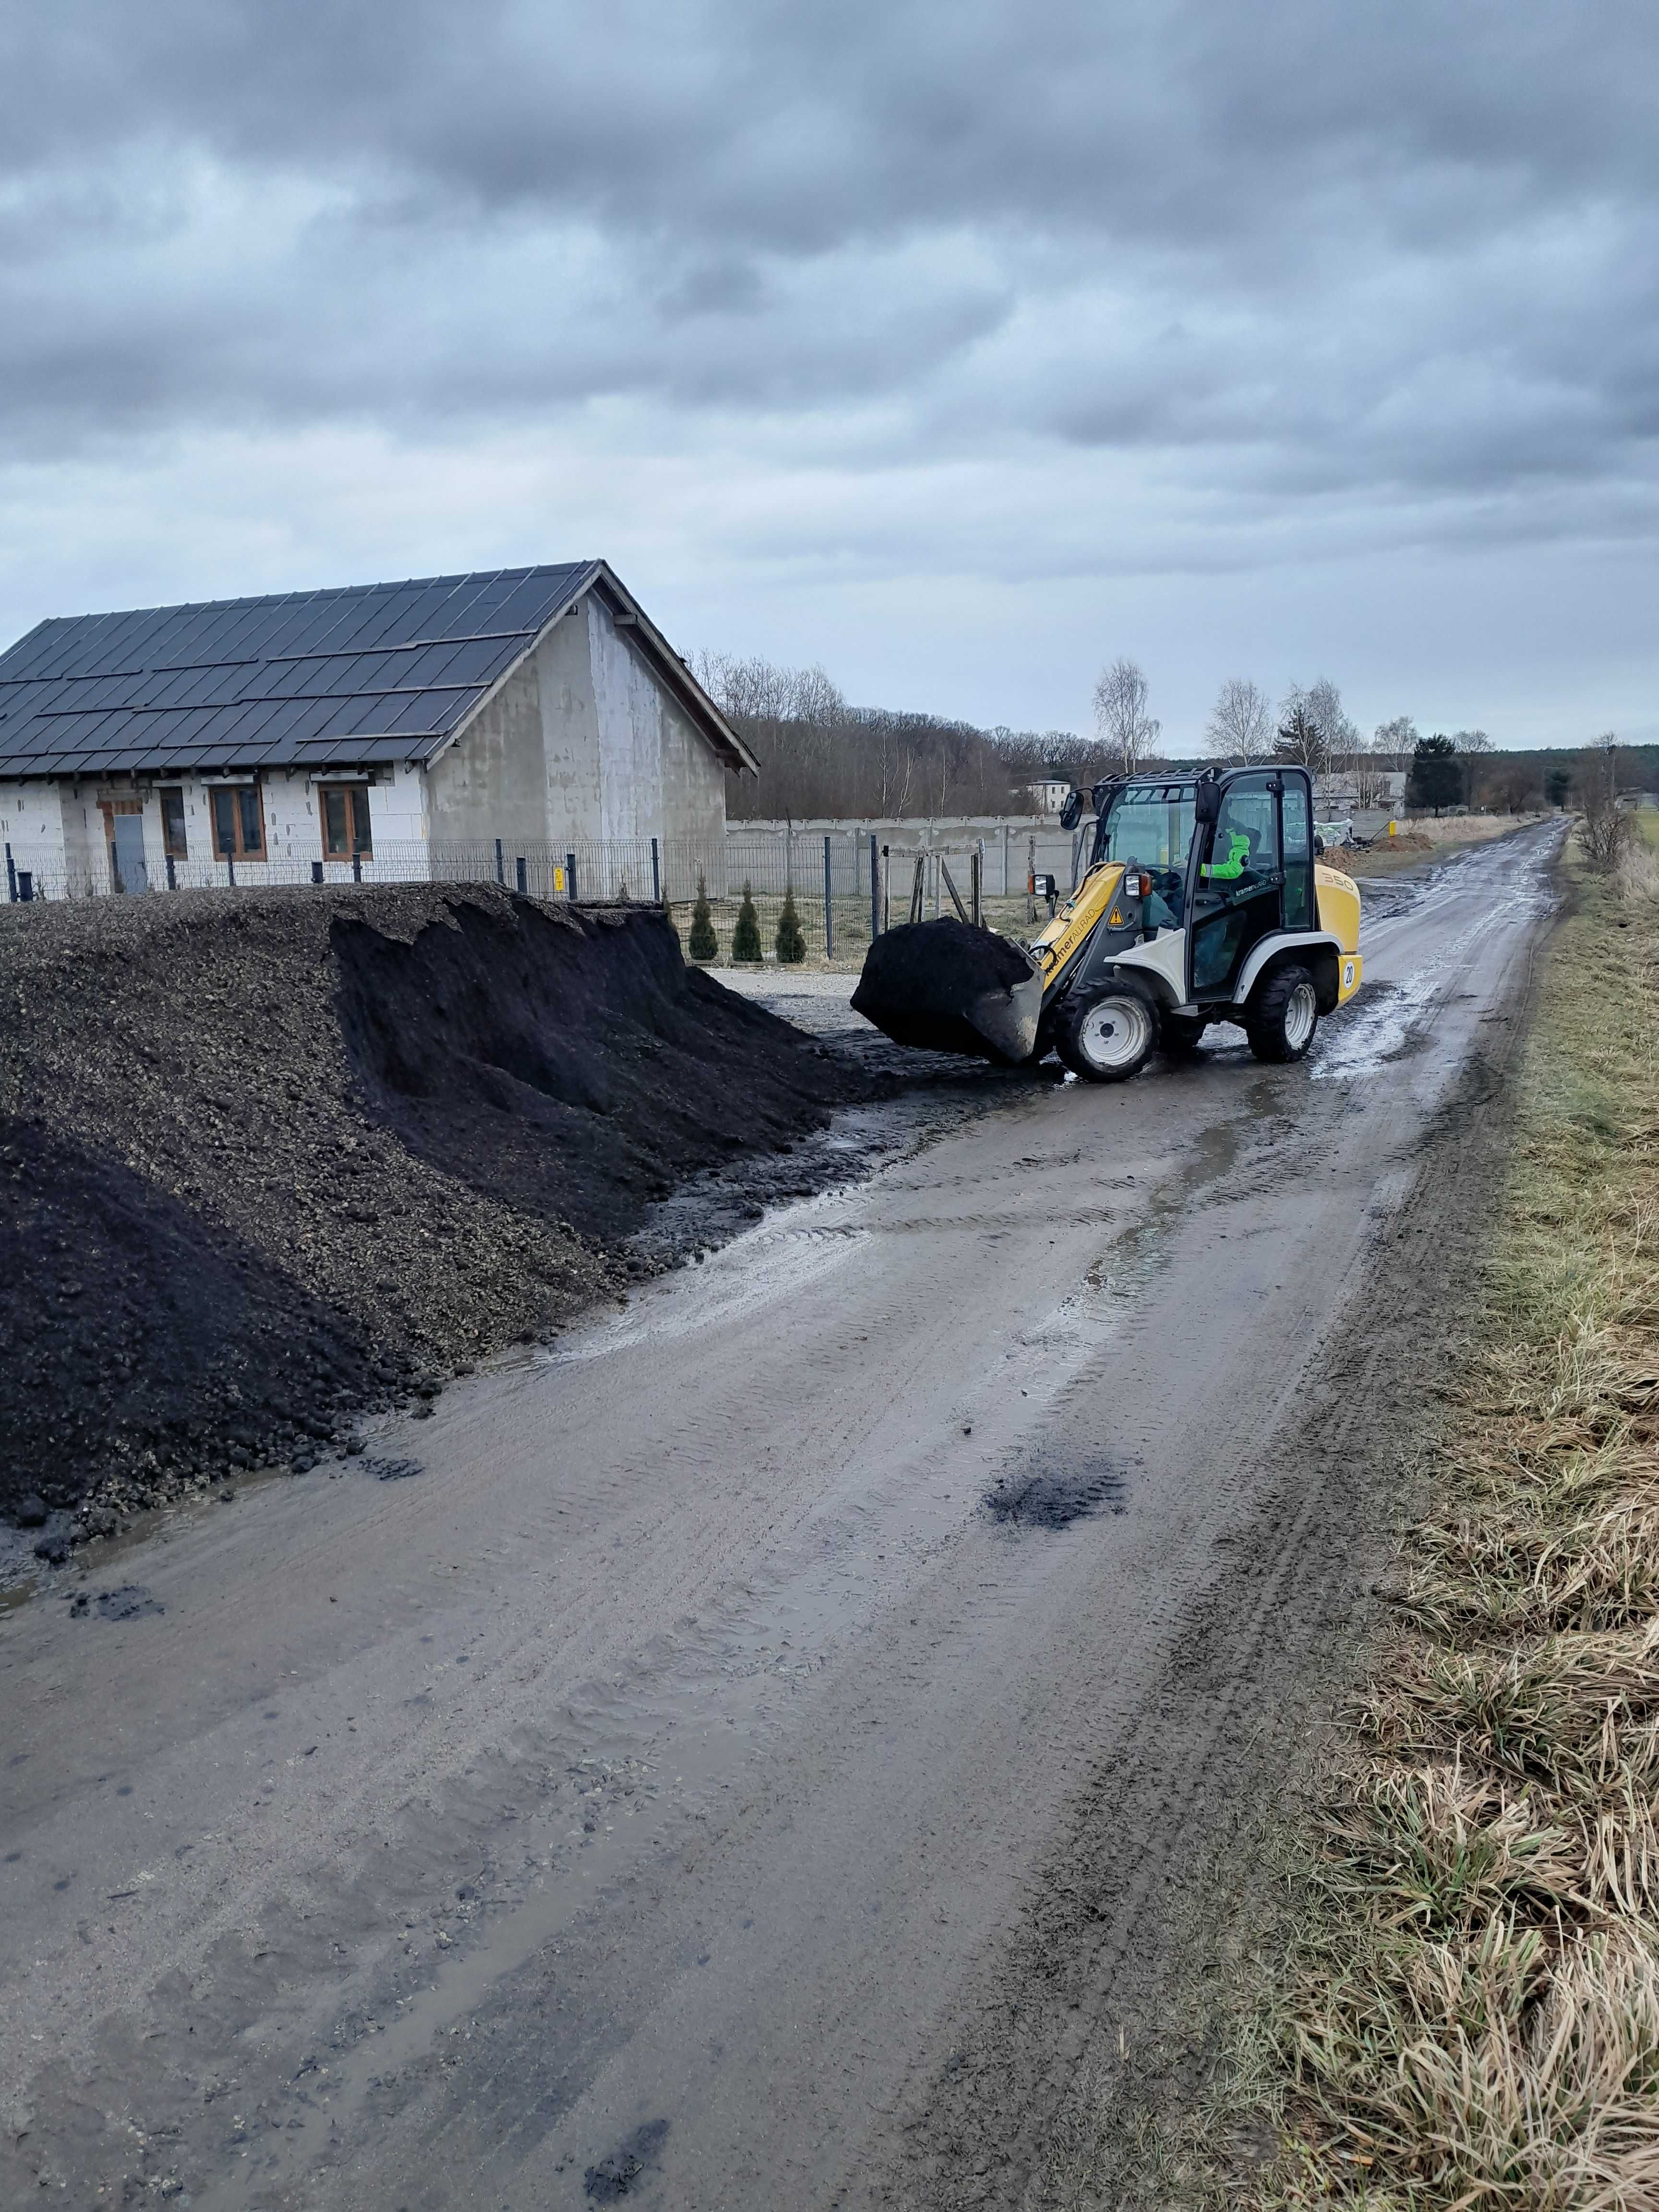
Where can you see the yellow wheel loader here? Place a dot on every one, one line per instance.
(1205, 900)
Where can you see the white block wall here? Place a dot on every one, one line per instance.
(56, 832)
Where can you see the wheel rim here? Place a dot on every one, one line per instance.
(1116, 1033)
(1301, 1013)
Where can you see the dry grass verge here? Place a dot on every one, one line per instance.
(1468, 2015)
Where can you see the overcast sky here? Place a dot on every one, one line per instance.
(958, 347)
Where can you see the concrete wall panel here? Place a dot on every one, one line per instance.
(492, 782)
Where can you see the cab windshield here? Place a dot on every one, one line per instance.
(1151, 824)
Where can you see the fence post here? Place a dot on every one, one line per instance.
(1004, 860)
(875, 889)
(356, 867)
(570, 876)
(11, 876)
(316, 871)
(172, 873)
(656, 874)
(976, 880)
(230, 870)
(828, 917)
(520, 875)
(501, 869)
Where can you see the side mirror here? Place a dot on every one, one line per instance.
(1072, 813)
(1206, 804)
(1319, 849)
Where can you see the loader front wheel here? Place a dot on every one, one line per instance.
(1282, 1015)
(1106, 1035)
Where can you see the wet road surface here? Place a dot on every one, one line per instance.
(628, 1803)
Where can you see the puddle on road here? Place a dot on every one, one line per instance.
(794, 1246)
(1377, 1031)
(1108, 1294)
(1383, 1024)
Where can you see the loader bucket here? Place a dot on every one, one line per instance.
(943, 986)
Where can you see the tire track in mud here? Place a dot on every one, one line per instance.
(1101, 2005)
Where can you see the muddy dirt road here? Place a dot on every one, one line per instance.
(673, 1790)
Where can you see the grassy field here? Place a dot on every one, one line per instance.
(1465, 2012)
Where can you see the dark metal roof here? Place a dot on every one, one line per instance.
(379, 672)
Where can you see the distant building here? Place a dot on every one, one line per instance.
(386, 729)
(1050, 791)
(1365, 790)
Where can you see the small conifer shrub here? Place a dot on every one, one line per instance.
(746, 937)
(792, 945)
(703, 944)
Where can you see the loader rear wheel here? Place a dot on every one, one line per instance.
(1282, 1015)
(1106, 1035)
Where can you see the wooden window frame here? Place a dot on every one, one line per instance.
(174, 849)
(241, 850)
(349, 792)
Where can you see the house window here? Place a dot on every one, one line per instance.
(174, 843)
(238, 822)
(345, 820)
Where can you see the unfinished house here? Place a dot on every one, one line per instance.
(531, 723)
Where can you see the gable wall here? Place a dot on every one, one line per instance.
(581, 745)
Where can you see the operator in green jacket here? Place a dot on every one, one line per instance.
(1239, 855)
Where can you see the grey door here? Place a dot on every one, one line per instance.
(131, 874)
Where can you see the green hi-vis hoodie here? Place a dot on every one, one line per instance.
(1230, 869)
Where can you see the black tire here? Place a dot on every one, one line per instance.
(1106, 1033)
(1181, 1035)
(1283, 1014)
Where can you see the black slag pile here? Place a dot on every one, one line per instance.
(919, 978)
(269, 1159)
(570, 1064)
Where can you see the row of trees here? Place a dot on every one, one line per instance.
(1311, 727)
(819, 755)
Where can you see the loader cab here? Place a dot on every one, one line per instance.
(1231, 858)
(1252, 874)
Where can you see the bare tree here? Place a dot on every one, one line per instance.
(1241, 724)
(1604, 828)
(1341, 737)
(1121, 717)
(1301, 738)
(1471, 745)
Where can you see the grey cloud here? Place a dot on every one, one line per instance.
(1309, 249)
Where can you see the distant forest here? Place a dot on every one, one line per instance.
(819, 755)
